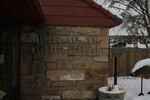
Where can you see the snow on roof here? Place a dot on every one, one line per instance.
(140, 64)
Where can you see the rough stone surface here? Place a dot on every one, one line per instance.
(78, 94)
(51, 97)
(62, 75)
(101, 59)
(62, 64)
(63, 84)
(65, 71)
(90, 84)
(96, 74)
(51, 65)
(86, 66)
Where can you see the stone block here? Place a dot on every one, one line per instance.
(62, 64)
(53, 91)
(96, 74)
(103, 52)
(63, 84)
(26, 83)
(51, 97)
(39, 68)
(87, 30)
(51, 65)
(90, 84)
(78, 94)
(104, 43)
(35, 87)
(101, 59)
(81, 59)
(53, 58)
(31, 97)
(86, 66)
(105, 31)
(82, 30)
(42, 83)
(60, 75)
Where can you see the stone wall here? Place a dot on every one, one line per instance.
(63, 62)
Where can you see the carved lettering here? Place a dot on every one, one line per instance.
(69, 44)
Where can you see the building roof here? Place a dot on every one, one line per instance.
(58, 12)
(77, 12)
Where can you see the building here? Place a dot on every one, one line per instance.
(52, 49)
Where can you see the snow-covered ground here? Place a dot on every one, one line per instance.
(132, 86)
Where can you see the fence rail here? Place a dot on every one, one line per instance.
(126, 60)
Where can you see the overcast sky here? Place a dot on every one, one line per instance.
(116, 30)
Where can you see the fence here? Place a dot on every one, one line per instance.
(126, 60)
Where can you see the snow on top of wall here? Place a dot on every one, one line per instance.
(142, 46)
(139, 45)
(140, 64)
(130, 46)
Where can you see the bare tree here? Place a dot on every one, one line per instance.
(136, 17)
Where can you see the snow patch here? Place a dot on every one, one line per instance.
(142, 98)
(132, 87)
(140, 64)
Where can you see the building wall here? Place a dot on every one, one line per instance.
(63, 62)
